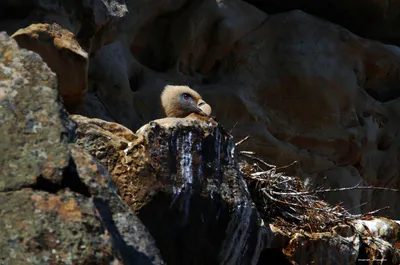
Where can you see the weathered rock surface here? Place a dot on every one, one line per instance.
(95, 22)
(180, 177)
(368, 18)
(59, 205)
(351, 243)
(63, 54)
(33, 131)
(304, 90)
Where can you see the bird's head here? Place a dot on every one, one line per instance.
(180, 101)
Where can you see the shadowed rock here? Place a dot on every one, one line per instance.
(372, 19)
(303, 88)
(59, 205)
(34, 131)
(181, 178)
(95, 23)
(63, 54)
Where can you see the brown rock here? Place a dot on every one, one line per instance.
(51, 229)
(85, 222)
(327, 248)
(160, 172)
(129, 238)
(63, 54)
(180, 177)
(304, 89)
(320, 89)
(96, 23)
(312, 92)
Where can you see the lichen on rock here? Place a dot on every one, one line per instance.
(305, 88)
(59, 205)
(34, 134)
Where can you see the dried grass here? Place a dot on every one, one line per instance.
(286, 202)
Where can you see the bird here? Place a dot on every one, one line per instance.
(181, 101)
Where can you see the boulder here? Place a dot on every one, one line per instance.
(59, 205)
(95, 23)
(182, 179)
(65, 57)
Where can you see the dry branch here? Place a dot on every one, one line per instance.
(286, 201)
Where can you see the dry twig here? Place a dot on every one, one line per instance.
(286, 201)
(243, 140)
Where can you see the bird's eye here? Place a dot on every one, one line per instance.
(186, 96)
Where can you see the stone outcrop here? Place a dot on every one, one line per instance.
(34, 130)
(94, 23)
(302, 87)
(62, 53)
(351, 243)
(59, 205)
(181, 178)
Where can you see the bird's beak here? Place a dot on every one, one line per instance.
(204, 108)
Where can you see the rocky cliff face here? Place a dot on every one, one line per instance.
(58, 203)
(304, 88)
(309, 84)
(182, 179)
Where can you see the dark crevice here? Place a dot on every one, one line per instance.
(173, 228)
(173, 153)
(136, 81)
(383, 95)
(43, 184)
(148, 52)
(362, 255)
(273, 256)
(127, 253)
(88, 29)
(70, 179)
(146, 47)
(15, 12)
(359, 167)
(383, 144)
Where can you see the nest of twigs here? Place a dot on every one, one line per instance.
(286, 202)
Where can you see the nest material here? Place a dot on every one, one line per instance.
(286, 202)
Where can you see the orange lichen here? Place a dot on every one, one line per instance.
(66, 209)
